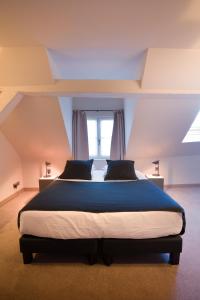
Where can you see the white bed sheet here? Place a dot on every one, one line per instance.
(74, 224)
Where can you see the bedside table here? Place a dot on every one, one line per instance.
(158, 180)
(44, 182)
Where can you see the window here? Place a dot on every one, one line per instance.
(99, 136)
(193, 134)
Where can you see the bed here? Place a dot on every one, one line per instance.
(107, 218)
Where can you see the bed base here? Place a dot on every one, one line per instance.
(82, 247)
(122, 247)
(108, 248)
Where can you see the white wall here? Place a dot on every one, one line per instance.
(129, 110)
(35, 168)
(97, 103)
(37, 131)
(10, 169)
(160, 124)
(35, 123)
(182, 170)
(32, 171)
(66, 110)
(175, 170)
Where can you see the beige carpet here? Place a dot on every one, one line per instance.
(141, 278)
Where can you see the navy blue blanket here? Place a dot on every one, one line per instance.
(98, 197)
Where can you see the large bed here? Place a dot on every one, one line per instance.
(107, 218)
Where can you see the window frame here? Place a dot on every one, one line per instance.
(98, 118)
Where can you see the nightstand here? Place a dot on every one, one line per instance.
(158, 180)
(44, 182)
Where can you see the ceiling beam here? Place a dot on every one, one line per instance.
(75, 88)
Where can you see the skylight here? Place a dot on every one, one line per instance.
(193, 134)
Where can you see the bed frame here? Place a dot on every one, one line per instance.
(129, 247)
(107, 248)
(32, 244)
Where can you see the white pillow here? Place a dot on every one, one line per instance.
(98, 175)
(140, 175)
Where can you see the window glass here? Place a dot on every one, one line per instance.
(92, 137)
(99, 136)
(106, 127)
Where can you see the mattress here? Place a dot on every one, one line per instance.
(77, 224)
(84, 224)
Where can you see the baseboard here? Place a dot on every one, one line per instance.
(4, 201)
(182, 185)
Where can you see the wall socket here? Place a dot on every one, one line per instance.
(16, 184)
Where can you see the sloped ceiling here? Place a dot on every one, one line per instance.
(100, 39)
(36, 129)
(14, 101)
(159, 126)
(24, 66)
(173, 69)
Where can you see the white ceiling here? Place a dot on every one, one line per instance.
(100, 39)
(159, 126)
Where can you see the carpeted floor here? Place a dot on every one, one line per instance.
(137, 278)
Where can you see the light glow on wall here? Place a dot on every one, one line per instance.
(193, 134)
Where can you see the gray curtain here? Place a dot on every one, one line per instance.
(117, 150)
(80, 146)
